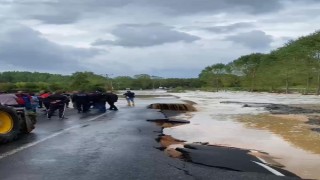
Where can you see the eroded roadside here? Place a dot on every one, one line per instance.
(203, 153)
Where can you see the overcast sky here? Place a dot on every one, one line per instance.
(167, 38)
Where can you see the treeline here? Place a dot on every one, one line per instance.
(88, 81)
(293, 67)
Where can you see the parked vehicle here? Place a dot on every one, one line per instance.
(14, 122)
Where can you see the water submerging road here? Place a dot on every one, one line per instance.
(288, 140)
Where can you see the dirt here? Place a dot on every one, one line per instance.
(173, 107)
(302, 118)
(286, 109)
(293, 131)
(314, 120)
(315, 130)
(176, 148)
(169, 145)
(280, 108)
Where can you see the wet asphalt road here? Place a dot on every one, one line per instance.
(114, 145)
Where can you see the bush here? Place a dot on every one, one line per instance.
(177, 90)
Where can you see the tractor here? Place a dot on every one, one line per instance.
(14, 122)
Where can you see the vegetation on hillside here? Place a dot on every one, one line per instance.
(293, 67)
(87, 81)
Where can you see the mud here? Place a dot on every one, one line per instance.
(277, 108)
(169, 145)
(169, 121)
(315, 130)
(314, 120)
(306, 113)
(289, 133)
(295, 132)
(227, 158)
(295, 117)
(173, 107)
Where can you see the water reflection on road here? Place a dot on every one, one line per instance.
(289, 141)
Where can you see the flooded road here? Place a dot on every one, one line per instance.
(288, 140)
(113, 145)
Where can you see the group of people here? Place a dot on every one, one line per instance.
(32, 102)
(59, 100)
(29, 101)
(84, 101)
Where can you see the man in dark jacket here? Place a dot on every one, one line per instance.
(111, 99)
(129, 97)
(100, 100)
(57, 101)
(81, 100)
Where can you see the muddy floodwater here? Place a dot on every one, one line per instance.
(289, 139)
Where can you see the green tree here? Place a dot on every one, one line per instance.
(79, 81)
(248, 66)
(143, 81)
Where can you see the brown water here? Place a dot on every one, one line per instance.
(288, 140)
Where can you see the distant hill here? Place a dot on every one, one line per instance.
(295, 66)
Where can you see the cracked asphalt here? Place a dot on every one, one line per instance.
(114, 145)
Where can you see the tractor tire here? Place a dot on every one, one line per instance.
(27, 124)
(9, 124)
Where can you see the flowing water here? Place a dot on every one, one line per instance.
(288, 140)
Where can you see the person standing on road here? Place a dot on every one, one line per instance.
(34, 102)
(130, 97)
(24, 100)
(44, 100)
(68, 98)
(111, 99)
(81, 101)
(57, 101)
(100, 101)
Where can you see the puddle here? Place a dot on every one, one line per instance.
(288, 139)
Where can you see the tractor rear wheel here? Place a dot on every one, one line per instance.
(28, 122)
(9, 124)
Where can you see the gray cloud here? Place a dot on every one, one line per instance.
(58, 18)
(62, 11)
(139, 35)
(214, 6)
(68, 11)
(21, 46)
(255, 39)
(230, 27)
